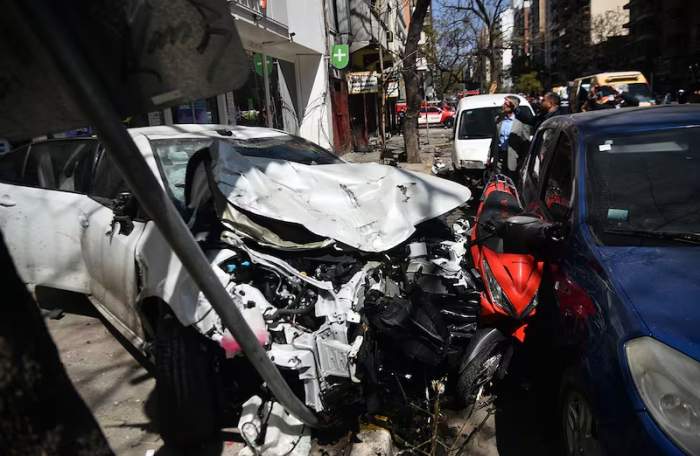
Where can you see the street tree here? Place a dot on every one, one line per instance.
(450, 52)
(481, 19)
(528, 83)
(411, 80)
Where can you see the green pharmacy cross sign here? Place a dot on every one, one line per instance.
(258, 63)
(340, 56)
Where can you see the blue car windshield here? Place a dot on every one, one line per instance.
(646, 182)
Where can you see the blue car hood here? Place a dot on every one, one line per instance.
(663, 285)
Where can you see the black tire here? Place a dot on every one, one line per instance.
(186, 385)
(573, 396)
(476, 374)
(449, 123)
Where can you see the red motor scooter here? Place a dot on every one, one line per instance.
(507, 251)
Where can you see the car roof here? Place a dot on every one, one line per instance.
(613, 74)
(487, 101)
(631, 120)
(190, 130)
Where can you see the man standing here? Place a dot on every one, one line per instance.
(513, 136)
(550, 107)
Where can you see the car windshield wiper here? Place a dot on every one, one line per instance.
(688, 238)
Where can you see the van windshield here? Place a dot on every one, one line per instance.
(638, 90)
(478, 123)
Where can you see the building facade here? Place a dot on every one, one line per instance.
(509, 43)
(375, 31)
(286, 42)
(586, 36)
(664, 43)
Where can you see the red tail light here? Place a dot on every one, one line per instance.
(573, 299)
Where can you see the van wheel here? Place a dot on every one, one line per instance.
(186, 385)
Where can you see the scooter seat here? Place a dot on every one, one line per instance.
(498, 206)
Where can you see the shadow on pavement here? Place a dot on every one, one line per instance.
(69, 302)
(526, 409)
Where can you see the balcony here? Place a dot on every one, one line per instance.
(275, 14)
(367, 25)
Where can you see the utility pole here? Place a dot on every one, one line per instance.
(425, 100)
(382, 114)
(266, 83)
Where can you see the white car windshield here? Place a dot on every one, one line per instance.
(173, 155)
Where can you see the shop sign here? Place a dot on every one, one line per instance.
(363, 82)
(340, 56)
(392, 89)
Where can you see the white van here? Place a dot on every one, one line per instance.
(474, 129)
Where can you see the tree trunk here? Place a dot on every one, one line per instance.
(40, 410)
(493, 76)
(411, 81)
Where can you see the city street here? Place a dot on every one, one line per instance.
(350, 228)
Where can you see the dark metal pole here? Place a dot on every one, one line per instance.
(92, 98)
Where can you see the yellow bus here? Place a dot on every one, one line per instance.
(631, 82)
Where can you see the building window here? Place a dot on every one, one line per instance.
(203, 111)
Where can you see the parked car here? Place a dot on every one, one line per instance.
(625, 185)
(344, 272)
(474, 130)
(435, 115)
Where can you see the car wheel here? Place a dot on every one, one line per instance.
(578, 422)
(475, 375)
(448, 123)
(186, 385)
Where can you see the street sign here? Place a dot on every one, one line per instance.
(258, 62)
(363, 82)
(340, 56)
(392, 89)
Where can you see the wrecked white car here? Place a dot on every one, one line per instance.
(348, 273)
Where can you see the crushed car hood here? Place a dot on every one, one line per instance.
(368, 206)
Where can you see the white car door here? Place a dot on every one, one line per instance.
(44, 213)
(109, 247)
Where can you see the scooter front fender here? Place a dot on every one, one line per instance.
(482, 339)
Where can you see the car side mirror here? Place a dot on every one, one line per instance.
(528, 234)
(125, 209)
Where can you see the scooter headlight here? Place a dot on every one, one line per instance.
(667, 381)
(498, 296)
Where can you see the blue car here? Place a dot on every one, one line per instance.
(625, 287)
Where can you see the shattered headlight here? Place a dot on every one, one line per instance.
(498, 296)
(668, 382)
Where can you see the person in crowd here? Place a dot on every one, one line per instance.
(513, 136)
(550, 107)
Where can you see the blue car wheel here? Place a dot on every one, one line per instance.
(578, 422)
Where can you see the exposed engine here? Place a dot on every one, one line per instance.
(357, 330)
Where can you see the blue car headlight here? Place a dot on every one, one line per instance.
(669, 383)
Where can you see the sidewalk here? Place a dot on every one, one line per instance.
(438, 143)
